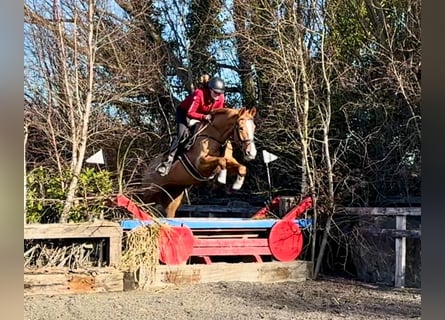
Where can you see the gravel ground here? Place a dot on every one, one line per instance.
(330, 298)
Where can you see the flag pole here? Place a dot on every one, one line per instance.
(269, 157)
(268, 180)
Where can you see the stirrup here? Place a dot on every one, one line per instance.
(163, 169)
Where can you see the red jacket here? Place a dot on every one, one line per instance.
(200, 103)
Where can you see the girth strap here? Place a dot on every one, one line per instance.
(188, 165)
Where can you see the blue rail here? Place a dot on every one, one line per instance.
(214, 223)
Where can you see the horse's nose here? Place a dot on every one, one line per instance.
(250, 152)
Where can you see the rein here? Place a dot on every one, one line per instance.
(237, 138)
(223, 143)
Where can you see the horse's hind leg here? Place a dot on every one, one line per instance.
(172, 202)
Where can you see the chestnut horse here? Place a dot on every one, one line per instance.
(204, 159)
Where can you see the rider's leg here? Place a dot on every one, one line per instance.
(164, 168)
(181, 135)
(192, 126)
(177, 141)
(182, 128)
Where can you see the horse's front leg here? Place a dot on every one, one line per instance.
(228, 154)
(233, 165)
(212, 164)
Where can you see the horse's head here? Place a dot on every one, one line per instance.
(240, 125)
(244, 132)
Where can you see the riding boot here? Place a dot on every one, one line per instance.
(188, 139)
(164, 168)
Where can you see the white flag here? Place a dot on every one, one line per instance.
(98, 158)
(268, 157)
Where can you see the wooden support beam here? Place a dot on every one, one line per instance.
(377, 211)
(400, 247)
(64, 281)
(414, 234)
(214, 272)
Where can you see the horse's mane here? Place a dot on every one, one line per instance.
(228, 111)
(220, 110)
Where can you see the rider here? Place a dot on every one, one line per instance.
(195, 108)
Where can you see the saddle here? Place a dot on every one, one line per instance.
(190, 140)
(187, 143)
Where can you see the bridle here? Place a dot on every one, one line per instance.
(237, 138)
(236, 135)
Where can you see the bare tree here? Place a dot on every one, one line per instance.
(67, 47)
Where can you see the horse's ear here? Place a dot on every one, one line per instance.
(241, 111)
(253, 112)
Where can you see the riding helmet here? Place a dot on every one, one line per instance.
(217, 84)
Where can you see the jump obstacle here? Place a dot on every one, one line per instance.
(182, 238)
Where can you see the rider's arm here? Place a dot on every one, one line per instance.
(194, 110)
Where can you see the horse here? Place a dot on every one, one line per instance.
(204, 159)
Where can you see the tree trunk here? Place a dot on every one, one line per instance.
(80, 148)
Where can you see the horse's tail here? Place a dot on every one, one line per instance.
(151, 169)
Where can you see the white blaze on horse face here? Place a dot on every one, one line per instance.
(250, 149)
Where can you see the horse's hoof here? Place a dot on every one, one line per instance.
(238, 183)
(222, 176)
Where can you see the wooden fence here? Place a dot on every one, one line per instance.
(400, 233)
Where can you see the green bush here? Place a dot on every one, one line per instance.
(46, 192)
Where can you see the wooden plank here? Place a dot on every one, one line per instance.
(225, 235)
(400, 247)
(115, 250)
(230, 251)
(98, 229)
(377, 211)
(69, 282)
(238, 242)
(415, 234)
(230, 247)
(250, 272)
